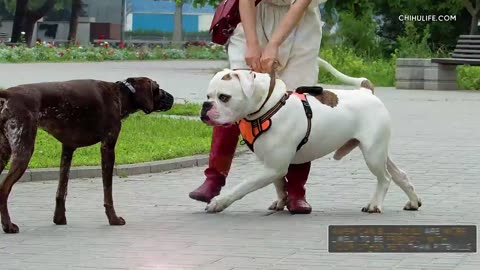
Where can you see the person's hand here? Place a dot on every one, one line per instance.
(252, 56)
(269, 58)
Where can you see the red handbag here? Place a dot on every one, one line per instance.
(225, 19)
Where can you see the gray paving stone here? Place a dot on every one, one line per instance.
(434, 140)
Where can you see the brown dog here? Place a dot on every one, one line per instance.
(77, 113)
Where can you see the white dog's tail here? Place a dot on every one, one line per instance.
(358, 82)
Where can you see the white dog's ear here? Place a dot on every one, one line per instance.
(247, 81)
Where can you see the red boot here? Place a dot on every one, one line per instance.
(296, 179)
(222, 149)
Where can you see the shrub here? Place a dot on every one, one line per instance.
(413, 44)
(468, 77)
(104, 52)
(380, 71)
(359, 33)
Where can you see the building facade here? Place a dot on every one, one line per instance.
(151, 15)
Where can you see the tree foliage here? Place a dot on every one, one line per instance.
(202, 3)
(10, 5)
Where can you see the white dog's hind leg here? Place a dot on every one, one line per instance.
(265, 178)
(401, 179)
(281, 201)
(376, 158)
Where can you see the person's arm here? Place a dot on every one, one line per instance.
(282, 31)
(248, 16)
(289, 21)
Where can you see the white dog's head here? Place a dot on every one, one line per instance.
(233, 94)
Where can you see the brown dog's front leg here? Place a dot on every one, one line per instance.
(108, 160)
(59, 217)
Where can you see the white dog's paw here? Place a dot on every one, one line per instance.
(413, 206)
(372, 208)
(278, 205)
(216, 205)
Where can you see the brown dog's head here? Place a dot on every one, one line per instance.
(148, 95)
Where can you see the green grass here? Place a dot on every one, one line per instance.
(187, 109)
(143, 138)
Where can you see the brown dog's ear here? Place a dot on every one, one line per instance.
(143, 93)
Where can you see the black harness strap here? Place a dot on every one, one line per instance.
(309, 114)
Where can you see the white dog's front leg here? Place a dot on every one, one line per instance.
(265, 178)
(281, 201)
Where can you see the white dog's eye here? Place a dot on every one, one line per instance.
(224, 98)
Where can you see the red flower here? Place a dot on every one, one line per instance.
(102, 36)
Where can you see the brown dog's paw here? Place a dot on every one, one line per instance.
(10, 228)
(117, 221)
(60, 220)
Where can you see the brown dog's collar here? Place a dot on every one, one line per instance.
(129, 86)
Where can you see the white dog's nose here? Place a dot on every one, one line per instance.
(205, 108)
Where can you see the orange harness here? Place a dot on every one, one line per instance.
(252, 129)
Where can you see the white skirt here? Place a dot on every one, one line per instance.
(297, 54)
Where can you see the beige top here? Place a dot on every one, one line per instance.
(297, 54)
(313, 4)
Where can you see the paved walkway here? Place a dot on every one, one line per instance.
(185, 79)
(436, 140)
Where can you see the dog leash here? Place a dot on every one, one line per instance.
(273, 78)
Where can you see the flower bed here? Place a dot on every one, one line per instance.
(103, 51)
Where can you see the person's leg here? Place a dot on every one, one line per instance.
(296, 179)
(305, 64)
(301, 70)
(222, 149)
(224, 139)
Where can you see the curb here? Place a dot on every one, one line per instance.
(35, 175)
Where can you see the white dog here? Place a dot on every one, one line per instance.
(355, 118)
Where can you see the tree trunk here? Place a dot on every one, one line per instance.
(474, 28)
(20, 14)
(178, 24)
(357, 10)
(76, 8)
(475, 13)
(33, 16)
(474, 25)
(29, 27)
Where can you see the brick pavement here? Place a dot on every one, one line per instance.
(435, 139)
